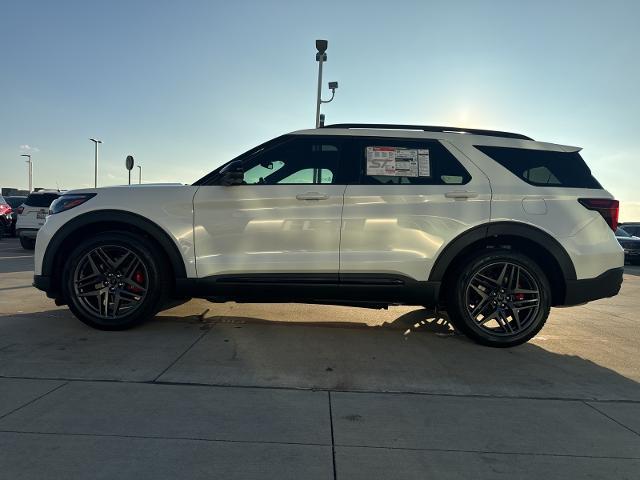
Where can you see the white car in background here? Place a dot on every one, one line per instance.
(493, 226)
(32, 215)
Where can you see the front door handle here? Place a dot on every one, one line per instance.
(461, 194)
(312, 196)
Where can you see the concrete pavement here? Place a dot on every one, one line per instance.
(301, 391)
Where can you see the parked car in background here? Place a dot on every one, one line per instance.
(14, 203)
(5, 216)
(32, 214)
(630, 244)
(631, 227)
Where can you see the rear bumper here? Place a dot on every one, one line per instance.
(605, 285)
(27, 232)
(629, 253)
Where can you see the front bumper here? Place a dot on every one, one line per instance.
(42, 282)
(604, 285)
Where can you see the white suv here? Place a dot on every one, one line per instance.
(494, 226)
(32, 215)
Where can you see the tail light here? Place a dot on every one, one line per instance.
(20, 209)
(606, 207)
(5, 209)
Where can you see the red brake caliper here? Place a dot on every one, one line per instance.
(138, 277)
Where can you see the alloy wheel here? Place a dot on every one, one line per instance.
(502, 298)
(110, 281)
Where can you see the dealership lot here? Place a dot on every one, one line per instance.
(304, 391)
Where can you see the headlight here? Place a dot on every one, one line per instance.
(67, 202)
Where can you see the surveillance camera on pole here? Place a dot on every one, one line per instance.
(321, 57)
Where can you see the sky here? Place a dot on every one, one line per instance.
(184, 86)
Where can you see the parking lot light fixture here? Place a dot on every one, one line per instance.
(30, 170)
(95, 179)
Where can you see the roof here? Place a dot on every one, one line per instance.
(469, 136)
(429, 128)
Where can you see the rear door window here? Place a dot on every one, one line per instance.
(387, 161)
(543, 168)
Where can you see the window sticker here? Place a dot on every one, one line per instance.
(424, 166)
(398, 162)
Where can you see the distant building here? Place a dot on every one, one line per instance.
(9, 192)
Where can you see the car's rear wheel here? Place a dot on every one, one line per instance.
(27, 243)
(499, 298)
(115, 281)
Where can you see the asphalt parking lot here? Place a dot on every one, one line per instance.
(313, 392)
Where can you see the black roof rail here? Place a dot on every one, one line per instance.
(427, 128)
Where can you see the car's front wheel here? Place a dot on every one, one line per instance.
(115, 280)
(499, 298)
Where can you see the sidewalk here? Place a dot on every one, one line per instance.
(84, 429)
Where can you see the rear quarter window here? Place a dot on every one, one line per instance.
(41, 199)
(544, 168)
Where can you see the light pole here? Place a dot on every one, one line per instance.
(95, 178)
(321, 57)
(139, 175)
(30, 170)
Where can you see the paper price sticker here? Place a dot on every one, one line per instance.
(398, 162)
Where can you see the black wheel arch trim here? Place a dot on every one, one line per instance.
(513, 229)
(120, 216)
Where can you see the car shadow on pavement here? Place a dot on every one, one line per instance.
(415, 353)
(426, 320)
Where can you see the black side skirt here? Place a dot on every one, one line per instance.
(377, 290)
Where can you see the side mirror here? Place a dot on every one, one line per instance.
(232, 174)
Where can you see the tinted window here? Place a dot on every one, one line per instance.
(632, 229)
(300, 161)
(41, 199)
(387, 161)
(15, 202)
(621, 233)
(544, 168)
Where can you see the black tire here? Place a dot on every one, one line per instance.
(153, 269)
(506, 328)
(27, 243)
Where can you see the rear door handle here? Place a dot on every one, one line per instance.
(461, 194)
(312, 196)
